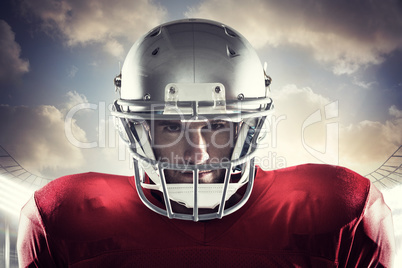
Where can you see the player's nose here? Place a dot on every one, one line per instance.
(196, 147)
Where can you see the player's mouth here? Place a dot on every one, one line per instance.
(202, 174)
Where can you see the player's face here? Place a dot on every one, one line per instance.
(191, 143)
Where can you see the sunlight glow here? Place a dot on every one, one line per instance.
(13, 196)
(393, 199)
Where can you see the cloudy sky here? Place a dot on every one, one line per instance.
(336, 70)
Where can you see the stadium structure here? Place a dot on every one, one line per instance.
(389, 174)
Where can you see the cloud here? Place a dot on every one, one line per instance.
(44, 142)
(366, 145)
(345, 35)
(293, 106)
(86, 22)
(72, 71)
(114, 48)
(307, 127)
(73, 98)
(393, 110)
(35, 137)
(11, 64)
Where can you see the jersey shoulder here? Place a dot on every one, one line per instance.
(326, 196)
(323, 175)
(80, 186)
(317, 178)
(81, 196)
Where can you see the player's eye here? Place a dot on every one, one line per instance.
(173, 127)
(216, 126)
(219, 125)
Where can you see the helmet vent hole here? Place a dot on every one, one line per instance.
(154, 33)
(230, 32)
(156, 50)
(231, 52)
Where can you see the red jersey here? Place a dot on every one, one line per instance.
(303, 216)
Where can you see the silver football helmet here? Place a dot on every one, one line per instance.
(192, 70)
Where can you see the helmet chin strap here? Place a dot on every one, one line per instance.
(209, 194)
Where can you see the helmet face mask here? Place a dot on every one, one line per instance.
(193, 102)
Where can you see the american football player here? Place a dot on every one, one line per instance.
(193, 99)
